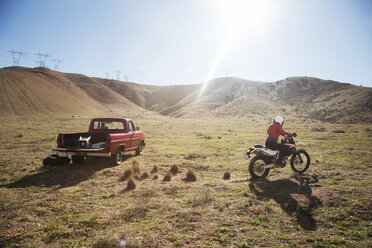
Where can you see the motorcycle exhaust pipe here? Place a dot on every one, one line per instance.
(269, 166)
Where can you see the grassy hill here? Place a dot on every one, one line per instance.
(40, 90)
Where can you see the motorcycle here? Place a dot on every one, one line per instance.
(266, 159)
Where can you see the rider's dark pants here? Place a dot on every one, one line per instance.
(272, 144)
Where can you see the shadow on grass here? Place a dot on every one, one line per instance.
(293, 197)
(64, 175)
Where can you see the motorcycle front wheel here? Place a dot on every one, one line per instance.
(300, 162)
(256, 168)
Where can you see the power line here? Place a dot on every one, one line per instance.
(42, 58)
(56, 63)
(117, 75)
(16, 59)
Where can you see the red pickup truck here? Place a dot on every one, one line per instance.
(107, 137)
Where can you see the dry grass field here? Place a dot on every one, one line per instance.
(152, 200)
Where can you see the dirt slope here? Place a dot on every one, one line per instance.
(41, 90)
(29, 91)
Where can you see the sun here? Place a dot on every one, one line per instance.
(241, 17)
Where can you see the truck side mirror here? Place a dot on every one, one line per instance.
(137, 128)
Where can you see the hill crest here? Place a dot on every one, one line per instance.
(40, 90)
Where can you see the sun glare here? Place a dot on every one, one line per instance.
(241, 17)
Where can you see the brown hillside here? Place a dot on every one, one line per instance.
(102, 94)
(40, 90)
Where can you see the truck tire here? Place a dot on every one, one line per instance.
(77, 159)
(118, 157)
(139, 149)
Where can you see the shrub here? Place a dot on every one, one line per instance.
(190, 176)
(155, 177)
(155, 169)
(131, 183)
(226, 175)
(318, 129)
(338, 131)
(144, 175)
(127, 173)
(167, 177)
(174, 169)
(136, 167)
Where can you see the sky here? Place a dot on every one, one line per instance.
(168, 42)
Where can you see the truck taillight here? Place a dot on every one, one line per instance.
(59, 140)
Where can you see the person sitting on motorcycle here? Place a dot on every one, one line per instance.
(274, 131)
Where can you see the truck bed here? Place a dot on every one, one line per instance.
(72, 140)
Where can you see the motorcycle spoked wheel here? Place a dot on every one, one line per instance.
(255, 167)
(300, 162)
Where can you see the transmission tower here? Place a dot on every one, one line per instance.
(126, 78)
(107, 75)
(56, 63)
(16, 59)
(42, 58)
(117, 75)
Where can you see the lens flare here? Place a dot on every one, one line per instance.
(242, 17)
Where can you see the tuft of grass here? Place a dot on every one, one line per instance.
(174, 169)
(190, 176)
(136, 167)
(144, 175)
(338, 131)
(167, 177)
(318, 129)
(226, 175)
(131, 183)
(20, 135)
(155, 169)
(127, 173)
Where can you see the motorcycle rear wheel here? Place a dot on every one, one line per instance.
(255, 168)
(300, 162)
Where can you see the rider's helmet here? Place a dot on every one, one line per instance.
(278, 119)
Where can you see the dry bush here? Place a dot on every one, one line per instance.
(155, 177)
(318, 129)
(20, 135)
(190, 176)
(167, 177)
(226, 175)
(174, 169)
(338, 131)
(131, 183)
(204, 198)
(144, 175)
(127, 173)
(136, 167)
(155, 169)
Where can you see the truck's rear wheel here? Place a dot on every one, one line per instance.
(118, 157)
(77, 159)
(139, 149)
